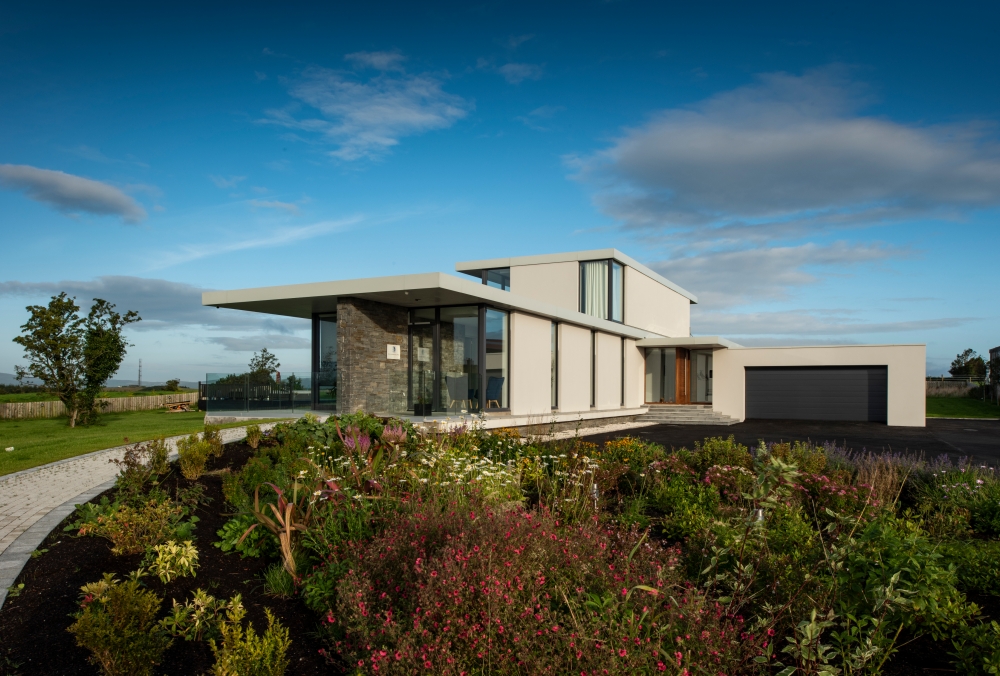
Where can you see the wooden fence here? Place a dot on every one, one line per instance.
(54, 409)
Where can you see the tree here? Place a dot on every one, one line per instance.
(968, 363)
(263, 365)
(173, 385)
(73, 356)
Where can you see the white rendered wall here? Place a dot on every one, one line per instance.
(651, 306)
(530, 365)
(574, 368)
(556, 283)
(906, 368)
(635, 374)
(609, 371)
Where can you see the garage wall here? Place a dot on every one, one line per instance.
(574, 368)
(653, 307)
(906, 369)
(530, 365)
(609, 371)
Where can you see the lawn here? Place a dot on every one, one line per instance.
(956, 407)
(23, 397)
(42, 440)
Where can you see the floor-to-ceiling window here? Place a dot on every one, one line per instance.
(661, 375)
(602, 289)
(324, 385)
(497, 353)
(701, 375)
(459, 359)
(459, 341)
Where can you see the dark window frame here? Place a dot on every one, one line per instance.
(554, 339)
(610, 300)
(593, 368)
(484, 274)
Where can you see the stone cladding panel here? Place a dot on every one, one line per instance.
(366, 380)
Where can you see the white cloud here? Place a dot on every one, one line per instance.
(729, 277)
(366, 118)
(377, 60)
(227, 181)
(535, 117)
(794, 147)
(275, 204)
(515, 73)
(258, 342)
(69, 193)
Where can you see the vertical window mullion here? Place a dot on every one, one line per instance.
(623, 371)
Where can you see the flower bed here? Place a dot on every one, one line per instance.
(359, 546)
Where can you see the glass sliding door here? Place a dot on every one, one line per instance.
(459, 344)
(496, 353)
(423, 354)
(661, 375)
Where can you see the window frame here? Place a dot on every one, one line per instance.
(610, 286)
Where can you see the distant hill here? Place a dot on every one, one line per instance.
(10, 379)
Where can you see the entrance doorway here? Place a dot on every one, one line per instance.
(677, 375)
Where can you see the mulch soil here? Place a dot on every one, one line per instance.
(33, 636)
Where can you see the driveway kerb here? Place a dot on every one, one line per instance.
(36, 524)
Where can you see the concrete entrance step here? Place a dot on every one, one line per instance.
(695, 414)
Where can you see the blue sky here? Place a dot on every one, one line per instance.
(814, 175)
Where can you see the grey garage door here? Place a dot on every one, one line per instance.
(817, 392)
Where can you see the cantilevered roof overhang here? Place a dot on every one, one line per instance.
(422, 290)
(475, 268)
(691, 342)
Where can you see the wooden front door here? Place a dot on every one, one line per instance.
(683, 372)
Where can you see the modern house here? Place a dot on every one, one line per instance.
(586, 335)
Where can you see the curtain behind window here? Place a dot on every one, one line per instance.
(595, 288)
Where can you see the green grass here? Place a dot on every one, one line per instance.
(45, 396)
(42, 440)
(960, 407)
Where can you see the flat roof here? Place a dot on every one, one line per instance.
(696, 342)
(421, 290)
(475, 267)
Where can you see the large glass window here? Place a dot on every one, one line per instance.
(498, 278)
(325, 362)
(459, 340)
(661, 375)
(497, 359)
(602, 285)
(701, 375)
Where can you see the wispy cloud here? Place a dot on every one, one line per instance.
(378, 60)
(363, 117)
(516, 73)
(275, 237)
(515, 41)
(226, 181)
(275, 204)
(95, 155)
(258, 342)
(69, 193)
(536, 117)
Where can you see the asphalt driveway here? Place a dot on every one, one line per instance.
(977, 438)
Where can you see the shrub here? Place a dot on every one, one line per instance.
(213, 436)
(193, 454)
(517, 592)
(243, 653)
(805, 456)
(254, 435)
(174, 560)
(976, 562)
(198, 618)
(719, 451)
(132, 530)
(256, 542)
(117, 624)
(139, 464)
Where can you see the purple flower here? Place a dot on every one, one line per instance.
(393, 434)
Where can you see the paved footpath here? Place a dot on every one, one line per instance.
(35, 501)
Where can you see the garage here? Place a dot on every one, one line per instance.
(856, 393)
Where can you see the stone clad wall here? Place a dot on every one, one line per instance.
(366, 380)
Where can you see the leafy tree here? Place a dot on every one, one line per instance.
(264, 365)
(72, 355)
(968, 363)
(173, 385)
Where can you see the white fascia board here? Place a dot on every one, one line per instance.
(690, 341)
(298, 300)
(826, 347)
(468, 267)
